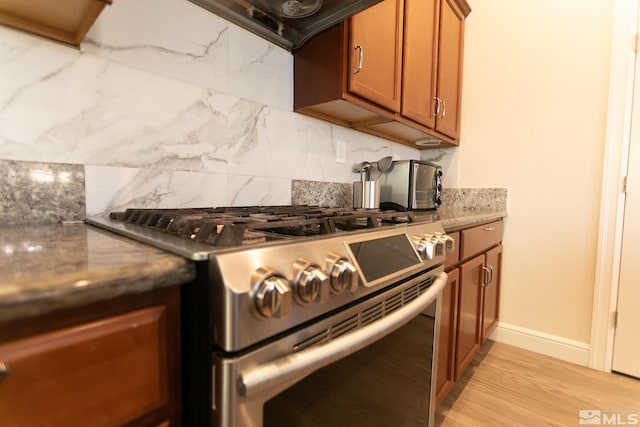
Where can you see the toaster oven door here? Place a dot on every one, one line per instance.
(426, 185)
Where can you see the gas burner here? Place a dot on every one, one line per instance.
(237, 226)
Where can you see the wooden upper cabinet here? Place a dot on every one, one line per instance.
(375, 54)
(393, 70)
(65, 20)
(418, 77)
(449, 72)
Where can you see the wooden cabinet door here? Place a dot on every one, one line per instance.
(447, 338)
(449, 75)
(375, 54)
(469, 312)
(491, 293)
(109, 372)
(418, 82)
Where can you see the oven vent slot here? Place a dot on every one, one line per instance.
(411, 293)
(371, 314)
(343, 327)
(321, 338)
(425, 284)
(328, 334)
(393, 303)
(367, 315)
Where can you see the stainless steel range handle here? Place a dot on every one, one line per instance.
(294, 367)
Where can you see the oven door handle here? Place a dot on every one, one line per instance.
(281, 373)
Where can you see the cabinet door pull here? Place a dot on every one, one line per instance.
(490, 228)
(490, 274)
(5, 370)
(440, 108)
(487, 276)
(360, 59)
(444, 109)
(436, 109)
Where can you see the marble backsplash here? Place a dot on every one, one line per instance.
(35, 192)
(167, 105)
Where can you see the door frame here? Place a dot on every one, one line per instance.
(616, 158)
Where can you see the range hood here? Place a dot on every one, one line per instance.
(287, 23)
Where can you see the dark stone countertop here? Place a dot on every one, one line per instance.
(49, 267)
(457, 218)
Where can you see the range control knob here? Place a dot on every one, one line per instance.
(439, 245)
(310, 281)
(449, 243)
(425, 246)
(342, 274)
(272, 294)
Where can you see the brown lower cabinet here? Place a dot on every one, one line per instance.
(97, 366)
(470, 300)
(447, 340)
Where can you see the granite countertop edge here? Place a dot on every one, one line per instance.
(30, 291)
(462, 218)
(113, 283)
(76, 288)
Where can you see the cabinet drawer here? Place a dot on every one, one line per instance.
(477, 239)
(107, 372)
(453, 257)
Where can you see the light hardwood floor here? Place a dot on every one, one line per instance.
(508, 386)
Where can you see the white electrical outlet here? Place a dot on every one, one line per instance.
(341, 151)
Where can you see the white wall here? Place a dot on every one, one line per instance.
(534, 108)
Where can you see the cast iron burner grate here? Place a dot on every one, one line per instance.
(235, 226)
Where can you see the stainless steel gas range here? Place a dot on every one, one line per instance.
(302, 314)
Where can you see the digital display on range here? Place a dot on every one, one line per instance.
(381, 257)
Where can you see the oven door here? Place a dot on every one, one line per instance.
(379, 374)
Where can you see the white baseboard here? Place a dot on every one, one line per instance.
(540, 342)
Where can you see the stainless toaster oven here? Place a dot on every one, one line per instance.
(411, 185)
